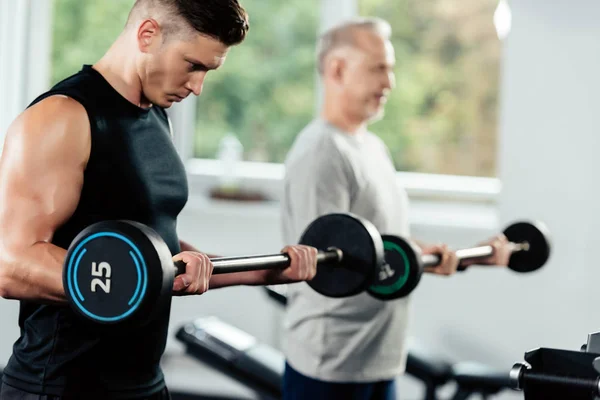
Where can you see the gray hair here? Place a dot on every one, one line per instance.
(343, 35)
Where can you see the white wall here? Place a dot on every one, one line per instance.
(549, 163)
(548, 166)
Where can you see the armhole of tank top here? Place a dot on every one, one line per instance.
(170, 125)
(78, 99)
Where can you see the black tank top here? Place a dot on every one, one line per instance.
(134, 173)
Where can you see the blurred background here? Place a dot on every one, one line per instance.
(494, 119)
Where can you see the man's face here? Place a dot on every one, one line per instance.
(368, 76)
(178, 68)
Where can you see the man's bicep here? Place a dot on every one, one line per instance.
(41, 170)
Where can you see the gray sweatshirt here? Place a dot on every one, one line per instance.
(360, 338)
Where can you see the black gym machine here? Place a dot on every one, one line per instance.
(557, 374)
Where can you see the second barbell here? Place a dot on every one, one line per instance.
(404, 264)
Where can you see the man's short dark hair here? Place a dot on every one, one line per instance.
(224, 20)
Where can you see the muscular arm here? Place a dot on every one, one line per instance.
(238, 278)
(41, 175)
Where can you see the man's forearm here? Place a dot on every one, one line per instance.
(34, 275)
(251, 278)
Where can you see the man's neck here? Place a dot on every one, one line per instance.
(118, 67)
(333, 113)
(340, 120)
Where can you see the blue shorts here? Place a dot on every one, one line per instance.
(297, 386)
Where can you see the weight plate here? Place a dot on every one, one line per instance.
(361, 245)
(401, 273)
(113, 272)
(536, 234)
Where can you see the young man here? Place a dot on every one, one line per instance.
(98, 147)
(351, 348)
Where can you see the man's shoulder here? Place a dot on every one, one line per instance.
(378, 143)
(375, 138)
(316, 143)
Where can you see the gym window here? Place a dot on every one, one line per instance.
(442, 118)
(82, 31)
(264, 94)
(441, 121)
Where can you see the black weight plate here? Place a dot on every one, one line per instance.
(402, 273)
(361, 244)
(537, 235)
(113, 273)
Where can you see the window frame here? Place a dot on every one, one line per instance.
(25, 40)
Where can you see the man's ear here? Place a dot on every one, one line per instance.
(149, 35)
(335, 69)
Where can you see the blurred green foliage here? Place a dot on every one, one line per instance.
(441, 118)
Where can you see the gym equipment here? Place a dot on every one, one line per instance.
(471, 378)
(360, 250)
(430, 369)
(117, 272)
(277, 293)
(405, 264)
(234, 352)
(553, 374)
(474, 378)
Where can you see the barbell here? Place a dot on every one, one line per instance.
(122, 272)
(404, 263)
